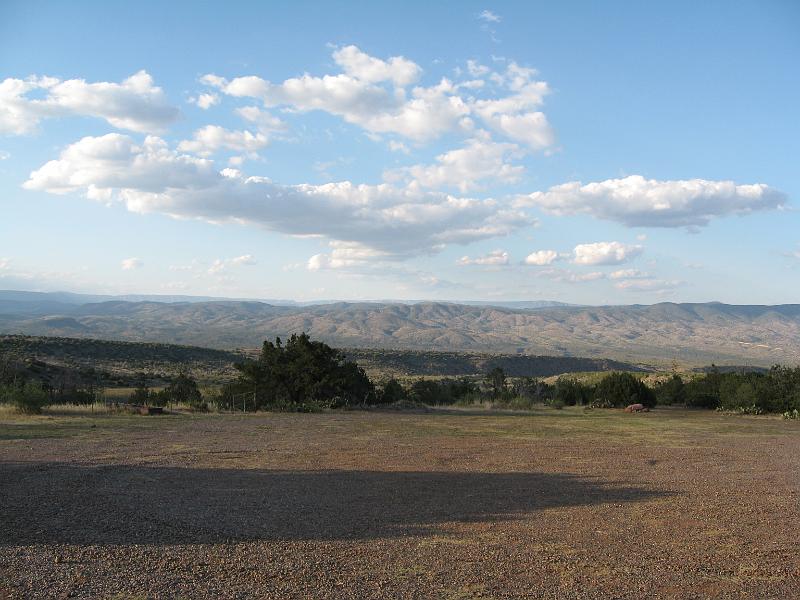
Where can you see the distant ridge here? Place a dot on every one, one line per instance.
(691, 333)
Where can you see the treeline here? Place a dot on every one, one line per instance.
(774, 391)
(34, 384)
(303, 374)
(457, 364)
(306, 375)
(614, 390)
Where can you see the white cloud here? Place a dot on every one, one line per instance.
(362, 66)
(4, 155)
(541, 258)
(149, 177)
(220, 264)
(265, 121)
(463, 168)
(494, 258)
(638, 202)
(374, 94)
(628, 274)
(396, 146)
(245, 259)
(605, 253)
(476, 69)
(489, 16)
(4, 263)
(209, 139)
(345, 255)
(564, 276)
(647, 285)
(129, 264)
(206, 101)
(135, 104)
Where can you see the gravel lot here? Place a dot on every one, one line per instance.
(553, 504)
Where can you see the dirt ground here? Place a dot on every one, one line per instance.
(550, 504)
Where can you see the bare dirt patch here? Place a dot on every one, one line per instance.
(554, 504)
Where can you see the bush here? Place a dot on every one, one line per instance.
(183, 390)
(671, 391)
(391, 392)
(28, 398)
(622, 389)
(570, 392)
(141, 395)
(304, 373)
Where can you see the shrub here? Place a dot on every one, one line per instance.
(304, 373)
(183, 390)
(622, 389)
(141, 395)
(28, 398)
(671, 391)
(391, 392)
(570, 391)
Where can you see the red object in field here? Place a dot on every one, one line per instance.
(631, 408)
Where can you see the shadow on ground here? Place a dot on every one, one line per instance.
(58, 503)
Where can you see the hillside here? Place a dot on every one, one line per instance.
(690, 333)
(123, 361)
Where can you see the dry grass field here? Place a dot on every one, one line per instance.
(457, 504)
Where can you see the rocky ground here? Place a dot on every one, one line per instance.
(557, 504)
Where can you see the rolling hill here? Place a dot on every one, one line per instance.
(689, 333)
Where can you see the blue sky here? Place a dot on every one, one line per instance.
(584, 152)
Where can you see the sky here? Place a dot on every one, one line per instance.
(584, 152)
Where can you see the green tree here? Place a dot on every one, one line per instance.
(671, 391)
(184, 390)
(496, 378)
(569, 391)
(304, 372)
(392, 391)
(622, 389)
(29, 397)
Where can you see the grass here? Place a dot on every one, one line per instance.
(665, 426)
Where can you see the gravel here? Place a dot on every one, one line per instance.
(375, 505)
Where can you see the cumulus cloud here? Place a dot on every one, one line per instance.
(220, 264)
(264, 120)
(605, 253)
(129, 264)
(205, 101)
(489, 16)
(396, 146)
(480, 159)
(244, 259)
(211, 138)
(564, 276)
(377, 95)
(136, 104)
(628, 274)
(358, 64)
(647, 285)
(495, 258)
(150, 177)
(541, 258)
(638, 202)
(346, 255)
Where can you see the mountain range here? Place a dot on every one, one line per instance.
(687, 333)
